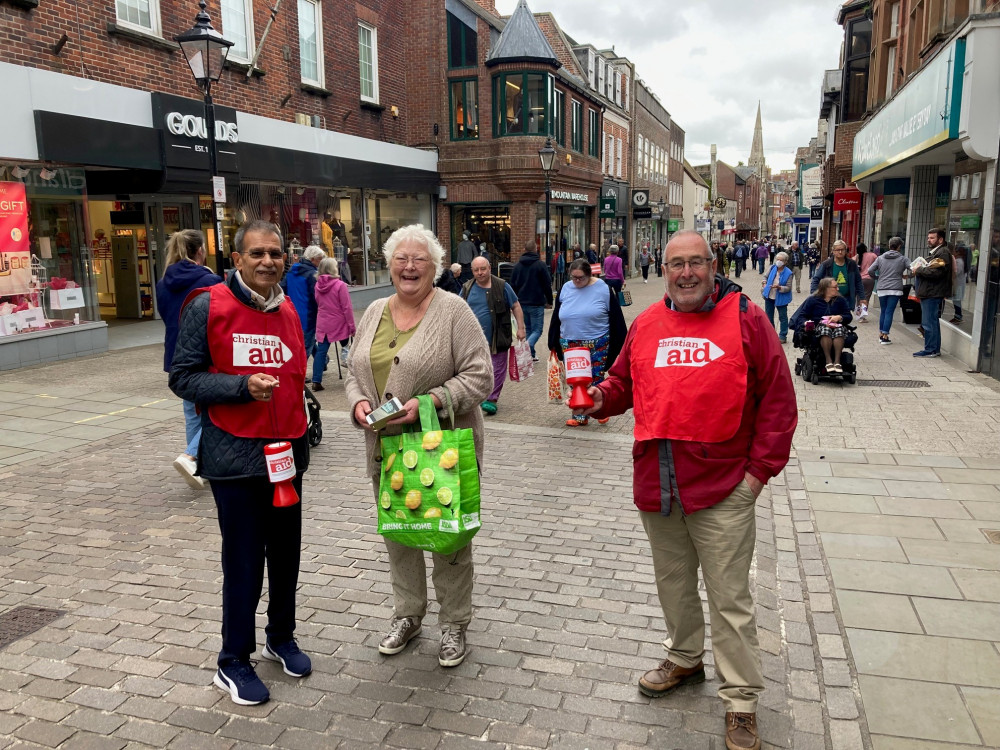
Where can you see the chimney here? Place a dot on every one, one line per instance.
(488, 5)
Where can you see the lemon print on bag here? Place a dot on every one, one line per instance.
(432, 440)
(410, 459)
(413, 499)
(427, 477)
(400, 515)
(396, 481)
(432, 513)
(389, 462)
(449, 459)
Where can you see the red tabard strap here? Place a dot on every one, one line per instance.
(244, 341)
(689, 373)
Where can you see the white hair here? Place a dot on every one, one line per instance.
(417, 235)
(456, 268)
(313, 252)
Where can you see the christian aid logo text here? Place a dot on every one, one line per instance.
(681, 351)
(282, 463)
(251, 350)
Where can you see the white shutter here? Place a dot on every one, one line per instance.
(618, 91)
(601, 70)
(590, 68)
(619, 156)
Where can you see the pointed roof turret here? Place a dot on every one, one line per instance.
(757, 147)
(522, 40)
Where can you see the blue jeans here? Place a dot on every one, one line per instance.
(192, 428)
(534, 321)
(320, 358)
(760, 265)
(769, 308)
(887, 305)
(930, 309)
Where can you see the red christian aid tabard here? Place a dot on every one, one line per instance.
(689, 373)
(245, 341)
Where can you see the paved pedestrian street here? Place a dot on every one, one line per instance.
(876, 576)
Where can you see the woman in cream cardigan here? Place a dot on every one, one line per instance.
(421, 340)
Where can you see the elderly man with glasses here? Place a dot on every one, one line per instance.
(714, 414)
(240, 357)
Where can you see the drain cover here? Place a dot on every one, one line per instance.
(22, 621)
(992, 534)
(895, 383)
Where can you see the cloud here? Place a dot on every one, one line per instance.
(710, 62)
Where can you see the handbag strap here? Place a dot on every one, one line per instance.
(428, 414)
(449, 406)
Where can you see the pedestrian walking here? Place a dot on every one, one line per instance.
(464, 254)
(865, 259)
(334, 318)
(493, 302)
(560, 265)
(587, 314)
(715, 382)
(449, 280)
(645, 259)
(186, 271)
(532, 286)
(300, 286)
(614, 274)
(592, 253)
(760, 255)
(844, 271)
(772, 250)
(796, 259)
(249, 399)
(658, 261)
(812, 258)
(777, 292)
(420, 341)
(934, 286)
(889, 269)
(740, 254)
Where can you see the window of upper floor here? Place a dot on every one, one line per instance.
(559, 118)
(464, 103)
(463, 43)
(311, 42)
(856, 65)
(602, 72)
(368, 61)
(143, 15)
(594, 141)
(576, 128)
(237, 27)
(522, 103)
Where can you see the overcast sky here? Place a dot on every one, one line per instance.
(710, 61)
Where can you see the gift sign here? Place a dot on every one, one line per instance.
(15, 258)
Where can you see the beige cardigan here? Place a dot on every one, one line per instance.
(448, 350)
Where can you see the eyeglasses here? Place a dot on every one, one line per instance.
(405, 260)
(697, 264)
(577, 278)
(261, 254)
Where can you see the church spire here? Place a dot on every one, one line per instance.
(757, 147)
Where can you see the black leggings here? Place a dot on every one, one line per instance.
(645, 271)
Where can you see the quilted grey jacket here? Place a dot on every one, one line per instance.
(221, 455)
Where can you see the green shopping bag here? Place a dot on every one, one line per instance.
(428, 494)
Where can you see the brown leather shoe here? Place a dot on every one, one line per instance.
(741, 731)
(667, 676)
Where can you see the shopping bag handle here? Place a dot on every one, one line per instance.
(449, 406)
(428, 414)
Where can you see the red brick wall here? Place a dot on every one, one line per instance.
(27, 38)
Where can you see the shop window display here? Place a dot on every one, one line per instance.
(488, 227)
(46, 280)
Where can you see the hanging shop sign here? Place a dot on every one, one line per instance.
(922, 114)
(608, 206)
(184, 133)
(970, 222)
(15, 255)
(847, 199)
(816, 213)
(673, 225)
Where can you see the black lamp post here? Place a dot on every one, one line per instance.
(661, 207)
(547, 155)
(205, 50)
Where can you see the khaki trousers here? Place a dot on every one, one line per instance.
(452, 576)
(721, 538)
(797, 274)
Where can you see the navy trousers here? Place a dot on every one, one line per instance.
(254, 532)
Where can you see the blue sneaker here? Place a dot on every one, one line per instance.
(239, 679)
(293, 661)
(926, 354)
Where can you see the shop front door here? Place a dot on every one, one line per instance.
(164, 217)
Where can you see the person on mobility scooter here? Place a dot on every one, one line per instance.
(822, 329)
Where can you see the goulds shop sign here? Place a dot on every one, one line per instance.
(923, 114)
(184, 133)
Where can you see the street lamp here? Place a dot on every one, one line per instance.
(661, 206)
(205, 50)
(547, 155)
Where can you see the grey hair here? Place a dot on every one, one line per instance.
(313, 252)
(782, 256)
(328, 267)
(456, 268)
(419, 235)
(257, 225)
(895, 243)
(689, 233)
(840, 245)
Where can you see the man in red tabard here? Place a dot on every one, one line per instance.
(715, 411)
(240, 357)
